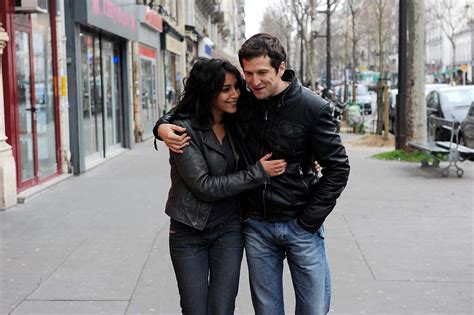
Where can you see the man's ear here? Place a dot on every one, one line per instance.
(281, 69)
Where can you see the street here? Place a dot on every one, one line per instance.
(400, 241)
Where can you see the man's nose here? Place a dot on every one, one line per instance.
(255, 81)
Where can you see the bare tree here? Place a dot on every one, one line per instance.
(278, 21)
(301, 12)
(380, 18)
(354, 10)
(452, 17)
(415, 110)
(310, 44)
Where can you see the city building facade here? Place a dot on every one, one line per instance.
(82, 81)
(99, 33)
(446, 21)
(33, 90)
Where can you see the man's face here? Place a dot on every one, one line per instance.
(262, 78)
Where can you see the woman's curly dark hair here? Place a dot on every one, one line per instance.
(201, 87)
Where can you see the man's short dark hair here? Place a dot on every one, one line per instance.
(263, 44)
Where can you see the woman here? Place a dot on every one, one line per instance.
(205, 238)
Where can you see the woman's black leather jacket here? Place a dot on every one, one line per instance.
(197, 176)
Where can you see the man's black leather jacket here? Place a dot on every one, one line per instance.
(197, 176)
(299, 128)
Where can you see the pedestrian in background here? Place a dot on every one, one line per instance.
(205, 237)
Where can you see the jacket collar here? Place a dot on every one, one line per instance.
(194, 122)
(208, 136)
(295, 85)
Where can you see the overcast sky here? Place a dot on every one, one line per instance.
(253, 15)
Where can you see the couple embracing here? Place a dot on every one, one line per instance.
(242, 156)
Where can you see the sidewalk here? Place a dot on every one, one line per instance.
(400, 241)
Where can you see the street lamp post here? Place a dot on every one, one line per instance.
(400, 136)
(328, 43)
(302, 55)
(328, 46)
(471, 22)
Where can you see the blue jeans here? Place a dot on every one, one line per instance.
(266, 246)
(207, 266)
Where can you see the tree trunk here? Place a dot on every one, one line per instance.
(289, 60)
(380, 86)
(138, 129)
(380, 11)
(380, 106)
(453, 62)
(415, 102)
(311, 49)
(346, 64)
(302, 55)
(354, 58)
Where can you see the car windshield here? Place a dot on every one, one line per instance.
(457, 98)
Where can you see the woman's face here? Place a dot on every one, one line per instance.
(226, 100)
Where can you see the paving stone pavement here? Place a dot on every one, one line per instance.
(400, 241)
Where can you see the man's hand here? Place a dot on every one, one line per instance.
(174, 137)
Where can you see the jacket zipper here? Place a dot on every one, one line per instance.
(264, 193)
(265, 122)
(302, 179)
(264, 203)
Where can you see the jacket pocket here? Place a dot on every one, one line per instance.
(289, 138)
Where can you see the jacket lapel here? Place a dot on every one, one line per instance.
(208, 137)
(234, 149)
(210, 140)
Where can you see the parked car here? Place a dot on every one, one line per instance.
(431, 87)
(451, 103)
(466, 133)
(393, 101)
(362, 96)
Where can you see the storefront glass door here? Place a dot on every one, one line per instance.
(101, 96)
(26, 109)
(37, 125)
(44, 95)
(149, 110)
(91, 96)
(112, 99)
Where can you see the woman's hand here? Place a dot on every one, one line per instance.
(273, 167)
(174, 137)
(316, 167)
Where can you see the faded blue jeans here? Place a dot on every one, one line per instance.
(207, 266)
(266, 246)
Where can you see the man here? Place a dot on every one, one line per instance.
(284, 217)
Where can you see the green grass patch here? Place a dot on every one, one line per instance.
(400, 155)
